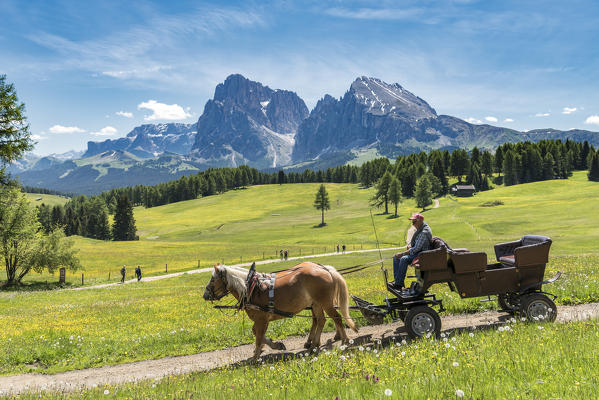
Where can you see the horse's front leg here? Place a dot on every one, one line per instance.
(274, 345)
(259, 330)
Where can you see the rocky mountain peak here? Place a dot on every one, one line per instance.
(382, 98)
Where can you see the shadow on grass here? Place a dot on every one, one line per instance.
(33, 287)
(392, 216)
(320, 225)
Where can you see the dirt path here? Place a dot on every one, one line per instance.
(436, 203)
(197, 271)
(156, 369)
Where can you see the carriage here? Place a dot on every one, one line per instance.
(516, 279)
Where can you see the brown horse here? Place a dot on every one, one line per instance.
(306, 284)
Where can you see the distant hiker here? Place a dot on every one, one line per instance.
(138, 273)
(286, 253)
(343, 248)
(337, 248)
(123, 272)
(281, 253)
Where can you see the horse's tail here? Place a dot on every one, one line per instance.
(342, 296)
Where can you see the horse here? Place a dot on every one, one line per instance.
(306, 284)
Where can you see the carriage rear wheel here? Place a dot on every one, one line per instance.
(508, 302)
(422, 320)
(538, 307)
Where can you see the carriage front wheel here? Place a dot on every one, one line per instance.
(422, 320)
(538, 307)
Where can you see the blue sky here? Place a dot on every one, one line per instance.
(95, 70)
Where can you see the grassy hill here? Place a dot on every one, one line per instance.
(48, 199)
(257, 222)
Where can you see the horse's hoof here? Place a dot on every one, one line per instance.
(279, 346)
(337, 337)
(307, 345)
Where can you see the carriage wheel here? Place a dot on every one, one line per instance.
(421, 320)
(538, 307)
(508, 302)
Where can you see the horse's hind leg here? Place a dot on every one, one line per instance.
(320, 320)
(339, 328)
(308, 343)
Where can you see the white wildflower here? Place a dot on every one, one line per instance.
(455, 364)
(459, 393)
(388, 392)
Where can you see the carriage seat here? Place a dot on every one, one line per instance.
(435, 258)
(530, 250)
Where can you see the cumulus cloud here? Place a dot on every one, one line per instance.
(37, 137)
(66, 129)
(106, 131)
(569, 110)
(508, 120)
(124, 114)
(474, 120)
(542, 114)
(593, 119)
(163, 111)
(491, 119)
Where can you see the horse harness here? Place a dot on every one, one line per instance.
(254, 280)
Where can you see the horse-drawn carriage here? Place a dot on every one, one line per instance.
(516, 279)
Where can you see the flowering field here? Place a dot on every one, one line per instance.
(255, 223)
(50, 331)
(536, 361)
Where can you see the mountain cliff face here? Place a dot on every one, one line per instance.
(149, 141)
(248, 123)
(375, 114)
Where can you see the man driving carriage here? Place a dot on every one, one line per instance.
(421, 241)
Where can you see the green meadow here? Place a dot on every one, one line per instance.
(48, 199)
(50, 331)
(255, 223)
(537, 361)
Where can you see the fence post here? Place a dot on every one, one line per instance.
(166, 267)
(108, 275)
(263, 255)
(198, 263)
(81, 279)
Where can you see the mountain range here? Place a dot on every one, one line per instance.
(249, 123)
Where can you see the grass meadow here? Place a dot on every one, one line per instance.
(48, 199)
(52, 331)
(537, 361)
(255, 223)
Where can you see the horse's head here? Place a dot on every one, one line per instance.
(216, 289)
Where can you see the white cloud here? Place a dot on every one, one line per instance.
(163, 111)
(508, 120)
(106, 131)
(124, 114)
(375, 13)
(37, 137)
(474, 120)
(491, 119)
(66, 129)
(593, 119)
(569, 110)
(542, 114)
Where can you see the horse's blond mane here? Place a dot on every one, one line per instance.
(236, 277)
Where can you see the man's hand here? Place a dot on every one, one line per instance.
(409, 246)
(399, 255)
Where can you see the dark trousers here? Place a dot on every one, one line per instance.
(400, 267)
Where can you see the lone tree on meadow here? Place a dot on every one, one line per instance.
(23, 245)
(382, 191)
(395, 193)
(123, 227)
(15, 138)
(322, 201)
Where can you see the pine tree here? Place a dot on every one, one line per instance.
(123, 227)
(460, 163)
(510, 169)
(395, 193)
(593, 174)
(548, 167)
(321, 202)
(382, 192)
(423, 192)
